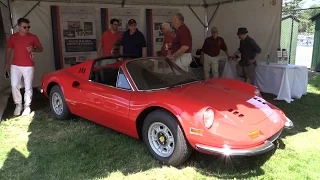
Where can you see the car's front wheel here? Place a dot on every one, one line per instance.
(164, 138)
(58, 104)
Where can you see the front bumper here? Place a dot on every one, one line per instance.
(288, 124)
(260, 149)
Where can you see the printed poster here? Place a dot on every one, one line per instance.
(78, 34)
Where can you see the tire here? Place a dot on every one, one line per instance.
(56, 94)
(181, 148)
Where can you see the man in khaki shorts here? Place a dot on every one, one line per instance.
(210, 50)
(181, 44)
(249, 50)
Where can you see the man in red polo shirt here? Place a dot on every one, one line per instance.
(24, 45)
(182, 43)
(110, 40)
(210, 51)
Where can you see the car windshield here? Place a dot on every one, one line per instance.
(157, 73)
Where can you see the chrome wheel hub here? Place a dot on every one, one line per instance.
(57, 104)
(161, 139)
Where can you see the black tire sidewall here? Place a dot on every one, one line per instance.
(182, 149)
(65, 112)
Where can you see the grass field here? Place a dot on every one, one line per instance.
(41, 147)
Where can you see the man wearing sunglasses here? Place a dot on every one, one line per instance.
(110, 40)
(23, 45)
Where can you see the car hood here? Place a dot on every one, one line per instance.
(238, 106)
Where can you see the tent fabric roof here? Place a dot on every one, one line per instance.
(146, 2)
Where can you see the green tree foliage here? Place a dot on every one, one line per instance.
(288, 7)
(305, 24)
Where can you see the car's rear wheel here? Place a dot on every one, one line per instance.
(164, 138)
(58, 104)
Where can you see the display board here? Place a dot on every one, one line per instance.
(74, 32)
(154, 19)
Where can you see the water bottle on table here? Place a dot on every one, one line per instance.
(285, 56)
(279, 54)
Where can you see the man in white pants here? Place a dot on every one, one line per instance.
(210, 51)
(180, 51)
(23, 44)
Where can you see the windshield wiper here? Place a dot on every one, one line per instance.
(182, 82)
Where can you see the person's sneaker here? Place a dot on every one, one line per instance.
(18, 110)
(26, 111)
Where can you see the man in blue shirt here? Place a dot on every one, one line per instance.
(133, 41)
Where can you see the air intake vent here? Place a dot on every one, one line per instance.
(82, 70)
(259, 100)
(236, 113)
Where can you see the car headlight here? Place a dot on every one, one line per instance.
(208, 117)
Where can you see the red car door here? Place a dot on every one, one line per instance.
(110, 107)
(108, 104)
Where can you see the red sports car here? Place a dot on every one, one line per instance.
(168, 108)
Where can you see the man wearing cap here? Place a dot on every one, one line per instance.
(210, 51)
(133, 41)
(181, 44)
(249, 50)
(109, 40)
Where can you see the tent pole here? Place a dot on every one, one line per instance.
(206, 22)
(225, 2)
(29, 11)
(205, 5)
(10, 16)
(214, 13)
(291, 35)
(196, 16)
(123, 3)
(3, 4)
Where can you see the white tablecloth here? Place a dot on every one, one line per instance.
(284, 81)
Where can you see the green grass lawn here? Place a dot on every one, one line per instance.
(41, 147)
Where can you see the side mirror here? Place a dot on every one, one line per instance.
(75, 84)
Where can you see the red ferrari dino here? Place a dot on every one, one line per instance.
(169, 109)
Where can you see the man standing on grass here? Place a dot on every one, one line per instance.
(24, 45)
(249, 51)
(109, 40)
(181, 44)
(210, 50)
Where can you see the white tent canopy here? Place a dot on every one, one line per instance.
(148, 2)
(261, 17)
